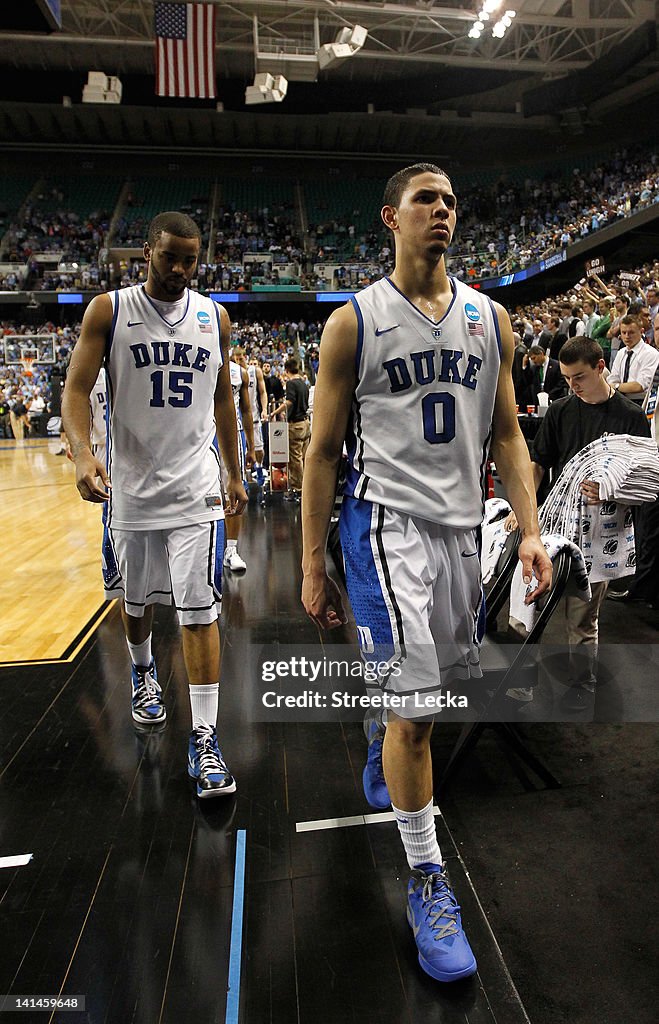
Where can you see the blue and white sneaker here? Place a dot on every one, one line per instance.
(433, 915)
(206, 765)
(375, 787)
(147, 706)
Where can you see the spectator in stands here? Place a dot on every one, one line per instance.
(620, 309)
(635, 363)
(36, 410)
(558, 338)
(652, 297)
(590, 317)
(601, 329)
(576, 327)
(542, 373)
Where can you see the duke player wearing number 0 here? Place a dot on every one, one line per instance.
(415, 377)
(165, 350)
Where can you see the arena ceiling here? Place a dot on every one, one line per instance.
(418, 85)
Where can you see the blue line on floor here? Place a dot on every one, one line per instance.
(235, 950)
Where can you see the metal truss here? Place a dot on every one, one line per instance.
(548, 37)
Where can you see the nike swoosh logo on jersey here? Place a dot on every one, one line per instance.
(385, 330)
(135, 323)
(468, 554)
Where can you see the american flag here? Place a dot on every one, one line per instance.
(185, 50)
(476, 329)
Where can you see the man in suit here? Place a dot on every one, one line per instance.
(543, 374)
(558, 337)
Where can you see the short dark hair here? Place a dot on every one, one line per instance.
(629, 318)
(399, 181)
(537, 350)
(291, 365)
(581, 350)
(174, 223)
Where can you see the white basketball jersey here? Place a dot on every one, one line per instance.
(161, 377)
(236, 384)
(253, 394)
(421, 417)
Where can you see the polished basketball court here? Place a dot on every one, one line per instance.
(286, 903)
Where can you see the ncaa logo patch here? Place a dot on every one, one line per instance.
(471, 312)
(204, 322)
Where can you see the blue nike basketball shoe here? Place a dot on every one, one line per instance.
(375, 787)
(434, 916)
(147, 705)
(206, 764)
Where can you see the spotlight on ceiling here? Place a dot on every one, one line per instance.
(348, 41)
(267, 88)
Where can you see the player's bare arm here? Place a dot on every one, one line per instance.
(246, 413)
(514, 466)
(91, 478)
(225, 424)
(335, 385)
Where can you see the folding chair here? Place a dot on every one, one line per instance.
(499, 674)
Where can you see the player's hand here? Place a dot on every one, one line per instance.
(92, 480)
(510, 523)
(250, 458)
(322, 600)
(535, 562)
(591, 491)
(236, 497)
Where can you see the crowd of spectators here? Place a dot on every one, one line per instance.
(59, 230)
(510, 226)
(593, 307)
(503, 227)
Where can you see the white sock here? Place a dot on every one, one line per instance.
(232, 544)
(204, 701)
(140, 654)
(419, 834)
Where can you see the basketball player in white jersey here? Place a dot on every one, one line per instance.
(258, 400)
(415, 376)
(240, 392)
(165, 350)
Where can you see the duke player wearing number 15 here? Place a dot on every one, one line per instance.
(415, 378)
(165, 351)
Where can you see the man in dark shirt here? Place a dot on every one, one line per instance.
(273, 386)
(296, 405)
(18, 418)
(592, 410)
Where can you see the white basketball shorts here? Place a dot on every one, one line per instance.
(416, 594)
(258, 436)
(182, 566)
